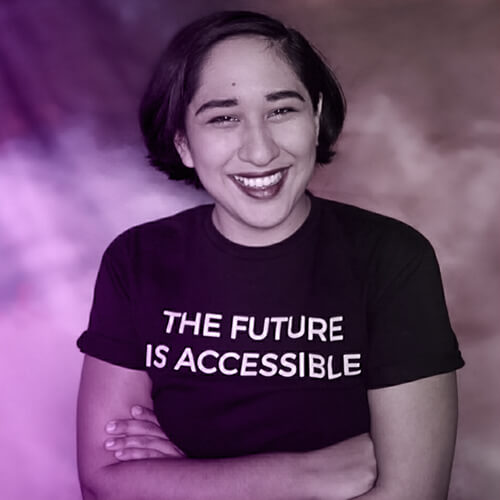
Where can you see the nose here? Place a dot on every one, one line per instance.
(258, 145)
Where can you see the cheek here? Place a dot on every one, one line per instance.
(213, 150)
(298, 138)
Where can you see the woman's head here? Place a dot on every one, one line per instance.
(177, 79)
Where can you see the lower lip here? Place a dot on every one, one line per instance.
(263, 193)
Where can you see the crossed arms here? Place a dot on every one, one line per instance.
(412, 437)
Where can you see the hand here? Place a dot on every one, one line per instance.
(139, 437)
(342, 471)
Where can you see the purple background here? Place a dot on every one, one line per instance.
(421, 143)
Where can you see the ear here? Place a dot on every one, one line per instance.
(182, 146)
(317, 116)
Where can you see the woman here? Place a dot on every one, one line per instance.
(273, 330)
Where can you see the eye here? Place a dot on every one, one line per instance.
(223, 120)
(282, 112)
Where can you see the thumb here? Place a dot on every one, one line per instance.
(142, 413)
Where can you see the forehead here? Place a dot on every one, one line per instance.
(245, 64)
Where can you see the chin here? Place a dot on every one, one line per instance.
(266, 219)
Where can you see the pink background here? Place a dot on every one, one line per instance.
(421, 143)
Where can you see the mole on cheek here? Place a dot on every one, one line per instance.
(233, 84)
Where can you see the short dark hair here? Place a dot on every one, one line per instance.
(176, 79)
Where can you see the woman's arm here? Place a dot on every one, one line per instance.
(414, 429)
(108, 392)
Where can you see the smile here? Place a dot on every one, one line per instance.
(264, 187)
(259, 182)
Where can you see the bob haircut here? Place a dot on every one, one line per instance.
(176, 80)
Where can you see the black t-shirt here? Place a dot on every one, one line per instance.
(262, 349)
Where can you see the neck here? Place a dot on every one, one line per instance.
(244, 234)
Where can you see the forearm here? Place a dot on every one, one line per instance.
(274, 477)
(380, 493)
(414, 429)
(337, 472)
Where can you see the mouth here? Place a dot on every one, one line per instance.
(263, 186)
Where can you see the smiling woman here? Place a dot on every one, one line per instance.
(263, 145)
(271, 344)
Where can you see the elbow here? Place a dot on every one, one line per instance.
(88, 493)
(93, 486)
(93, 493)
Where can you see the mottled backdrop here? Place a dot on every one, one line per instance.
(421, 143)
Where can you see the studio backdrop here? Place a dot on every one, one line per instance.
(421, 143)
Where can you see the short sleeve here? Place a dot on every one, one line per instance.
(410, 336)
(111, 335)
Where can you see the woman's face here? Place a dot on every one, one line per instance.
(251, 135)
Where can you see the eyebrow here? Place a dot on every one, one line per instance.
(284, 94)
(229, 103)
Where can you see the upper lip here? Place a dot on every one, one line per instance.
(260, 174)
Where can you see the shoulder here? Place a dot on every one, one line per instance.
(375, 234)
(165, 234)
(393, 258)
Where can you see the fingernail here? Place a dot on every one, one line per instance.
(111, 426)
(118, 453)
(136, 410)
(109, 443)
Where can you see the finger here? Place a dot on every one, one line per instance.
(167, 448)
(143, 413)
(137, 454)
(134, 427)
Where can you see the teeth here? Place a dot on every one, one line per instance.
(259, 182)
